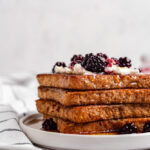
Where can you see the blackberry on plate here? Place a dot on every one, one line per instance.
(146, 127)
(128, 129)
(95, 64)
(58, 64)
(49, 124)
(124, 62)
(76, 59)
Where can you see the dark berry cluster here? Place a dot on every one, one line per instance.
(87, 56)
(58, 64)
(146, 127)
(124, 62)
(96, 63)
(49, 124)
(102, 55)
(131, 128)
(128, 129)
(76, 59)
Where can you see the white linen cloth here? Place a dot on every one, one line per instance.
(18, 93)
(11, 136)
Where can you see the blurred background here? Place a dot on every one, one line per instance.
(34, 34)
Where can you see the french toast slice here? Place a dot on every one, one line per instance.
(95, 81)
(95, 97)
(90, 113)
(107, 126)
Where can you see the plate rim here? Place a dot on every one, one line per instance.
(22, 125)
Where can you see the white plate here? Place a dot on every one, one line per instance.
(84, 142)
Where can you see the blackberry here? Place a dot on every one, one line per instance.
(146, 127)
(76, 59)
(124, 62)
(128, 129)
(95, 64)
(102, 55)
(49, 124)
(58, 64)
(87, 56)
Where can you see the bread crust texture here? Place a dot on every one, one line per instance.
(90, 113)
(95, 97)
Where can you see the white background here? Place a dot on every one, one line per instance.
(36, 33)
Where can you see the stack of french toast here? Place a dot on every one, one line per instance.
(95, 94)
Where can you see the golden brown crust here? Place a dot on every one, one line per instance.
(83, 82)
(98, 126)
(81, 114)
(116, 96)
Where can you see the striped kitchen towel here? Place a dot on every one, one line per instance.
(11, 136)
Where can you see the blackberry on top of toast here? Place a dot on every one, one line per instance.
(99, 64)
